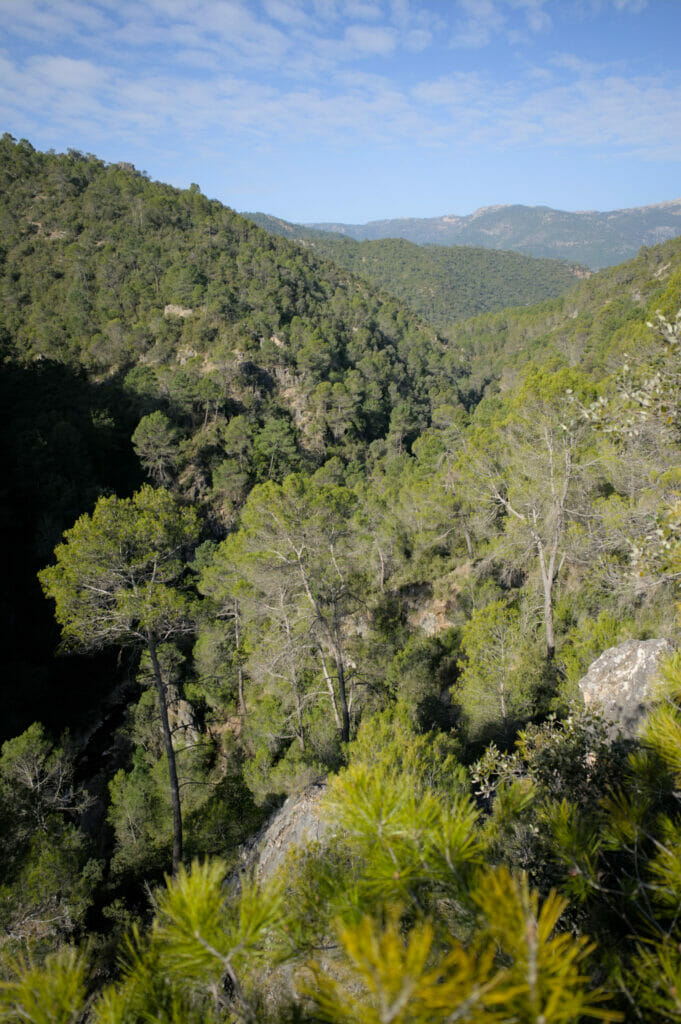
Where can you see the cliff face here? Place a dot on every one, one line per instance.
(619, 684)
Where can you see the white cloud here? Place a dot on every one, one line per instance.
(630, 114)
(638, 115)
(631, 5)
(452, 90)
(286, 13)
(363, 11)
(66, 73)
(45, 22)
(482, 19)
(418, 39)
(218, 74)
(365, 39)
(571, 62)
(538, 19)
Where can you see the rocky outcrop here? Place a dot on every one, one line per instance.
(173, 309)
(295, 824)
(183, 724)
(430, 611)
(619, 683)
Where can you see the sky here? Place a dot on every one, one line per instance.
(357, 110)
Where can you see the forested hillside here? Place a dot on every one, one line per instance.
(593, 325)
(126, 301)
(439, 283)
(289, 534)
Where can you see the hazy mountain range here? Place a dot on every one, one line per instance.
(596, 239)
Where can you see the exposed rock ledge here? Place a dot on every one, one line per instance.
(297, 822)
(619, 683)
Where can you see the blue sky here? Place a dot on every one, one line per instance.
(352, 110)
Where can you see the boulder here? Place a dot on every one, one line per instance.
(619, 683)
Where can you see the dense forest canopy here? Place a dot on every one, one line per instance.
(293, 535)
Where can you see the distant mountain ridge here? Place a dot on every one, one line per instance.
(596, 239)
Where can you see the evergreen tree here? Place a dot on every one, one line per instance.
(117, 581)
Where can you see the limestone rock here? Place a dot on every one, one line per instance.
(182, 721)
(619, 683)
(173, 309)
(295, 824)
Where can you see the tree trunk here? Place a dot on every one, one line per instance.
(332, 692)
(547, 577)
(343, 700)
(547, 585)
(548, 621)
(300, 731)
(241, 703)
(170, 754)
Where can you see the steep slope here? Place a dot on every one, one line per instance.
(589, 237)
(440, 283)
(105, 270)
(591, 326)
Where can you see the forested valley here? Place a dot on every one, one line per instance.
(267, 531)
(441, 283)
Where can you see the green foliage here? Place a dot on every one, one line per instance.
(406, 834)
(500, 672)
(116, 581)
(387, 976)
(294, 568)
(589, 639)
(595, 239)
(156, 442)
(445, 284)
(663, 726)
(404, 508)
(591, 326)
(546, 966)
(390, 979)
(420, 676)
(655, 981)
(429, 760)
(113, 575)
(201, 959)
(263, 322)
(140, 814)
(49, 993)
(48, 875)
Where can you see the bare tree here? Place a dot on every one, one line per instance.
(533, 472)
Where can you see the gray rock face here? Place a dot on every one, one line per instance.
(295, 824)
(619, 683)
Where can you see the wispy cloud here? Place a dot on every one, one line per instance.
(366, 11)
(209, 76)
(582, 109)
(366, 39)
(631, 5)
(480, 21)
